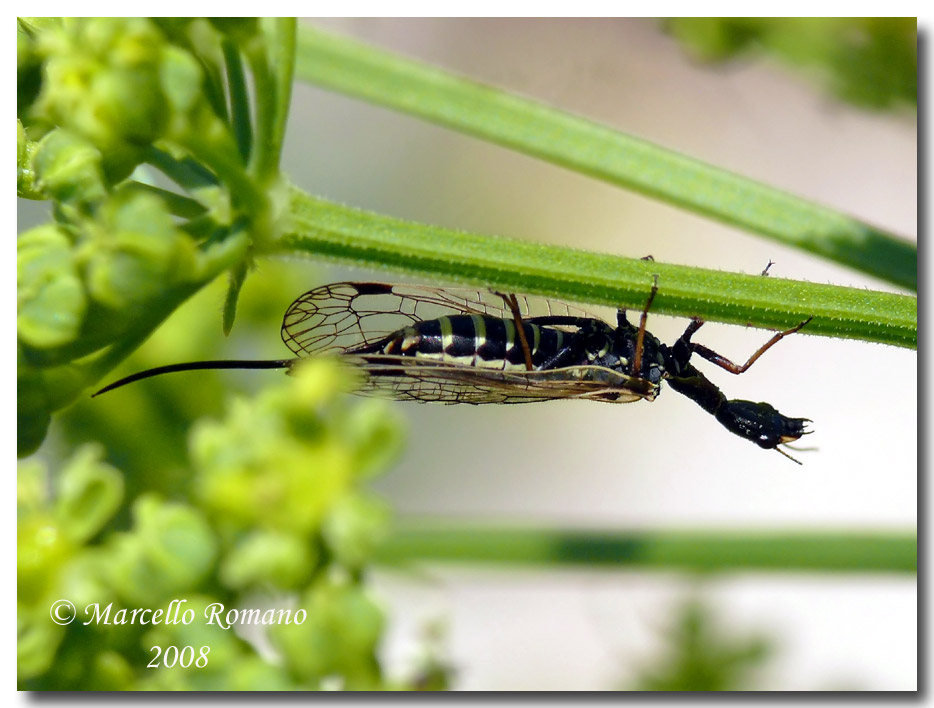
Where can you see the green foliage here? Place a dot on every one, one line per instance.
(869, 61)
(279, 506)
(99, 98)
(700, 656)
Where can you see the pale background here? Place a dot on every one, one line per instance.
(659, 465)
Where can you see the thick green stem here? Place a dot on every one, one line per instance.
(324, 229)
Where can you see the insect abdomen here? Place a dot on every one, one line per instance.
(474, 340)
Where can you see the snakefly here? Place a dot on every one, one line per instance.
(428, 344)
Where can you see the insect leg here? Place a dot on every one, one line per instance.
(566, 357)
(758, 422)
(621, 320)
(513, 304)
(640, 337)
(725, 363)
(560, 320)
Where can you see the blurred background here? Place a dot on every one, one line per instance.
(665, 465)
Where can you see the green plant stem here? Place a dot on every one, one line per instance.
(213, 77)
(245, 193)
(264, 159)
(186, 173)
(387, 79)
(283, 66)
(675, 550)
(239, 99)
(178, 204)
(324, 229)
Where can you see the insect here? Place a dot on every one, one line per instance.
(439, 345)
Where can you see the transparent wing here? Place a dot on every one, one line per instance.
(339, 317)
(409, 379)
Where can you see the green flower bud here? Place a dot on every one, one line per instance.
(89, 494)
(29, 59)
(41, 551)
(110, 671)
(226, 647)
(37, 641)
(375, 432)
(84, 579)
(68, 169)
(102, 82)
(31, 487)
(25, 177)
(252, 474)
(254, 674)
(181, 79)
(137, 255)
(50, 296)
(128, 104)
(273, 462)
(268, 558)
(171, 549)
(339, 637)
(355, 527)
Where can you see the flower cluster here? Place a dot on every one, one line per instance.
(279, 515)
(128, 128)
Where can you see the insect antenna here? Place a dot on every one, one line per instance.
(797, 462)
(199, 366)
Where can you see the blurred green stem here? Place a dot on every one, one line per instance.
(675, 550)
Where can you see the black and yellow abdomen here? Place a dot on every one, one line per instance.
(474, 340)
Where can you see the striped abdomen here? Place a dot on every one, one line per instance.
(473, 340)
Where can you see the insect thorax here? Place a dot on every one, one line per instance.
(654, 357)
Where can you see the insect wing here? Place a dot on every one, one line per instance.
(343, 317)
(340, 317)
(408, 379)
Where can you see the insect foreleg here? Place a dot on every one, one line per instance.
(640, 336)
(758, 422)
